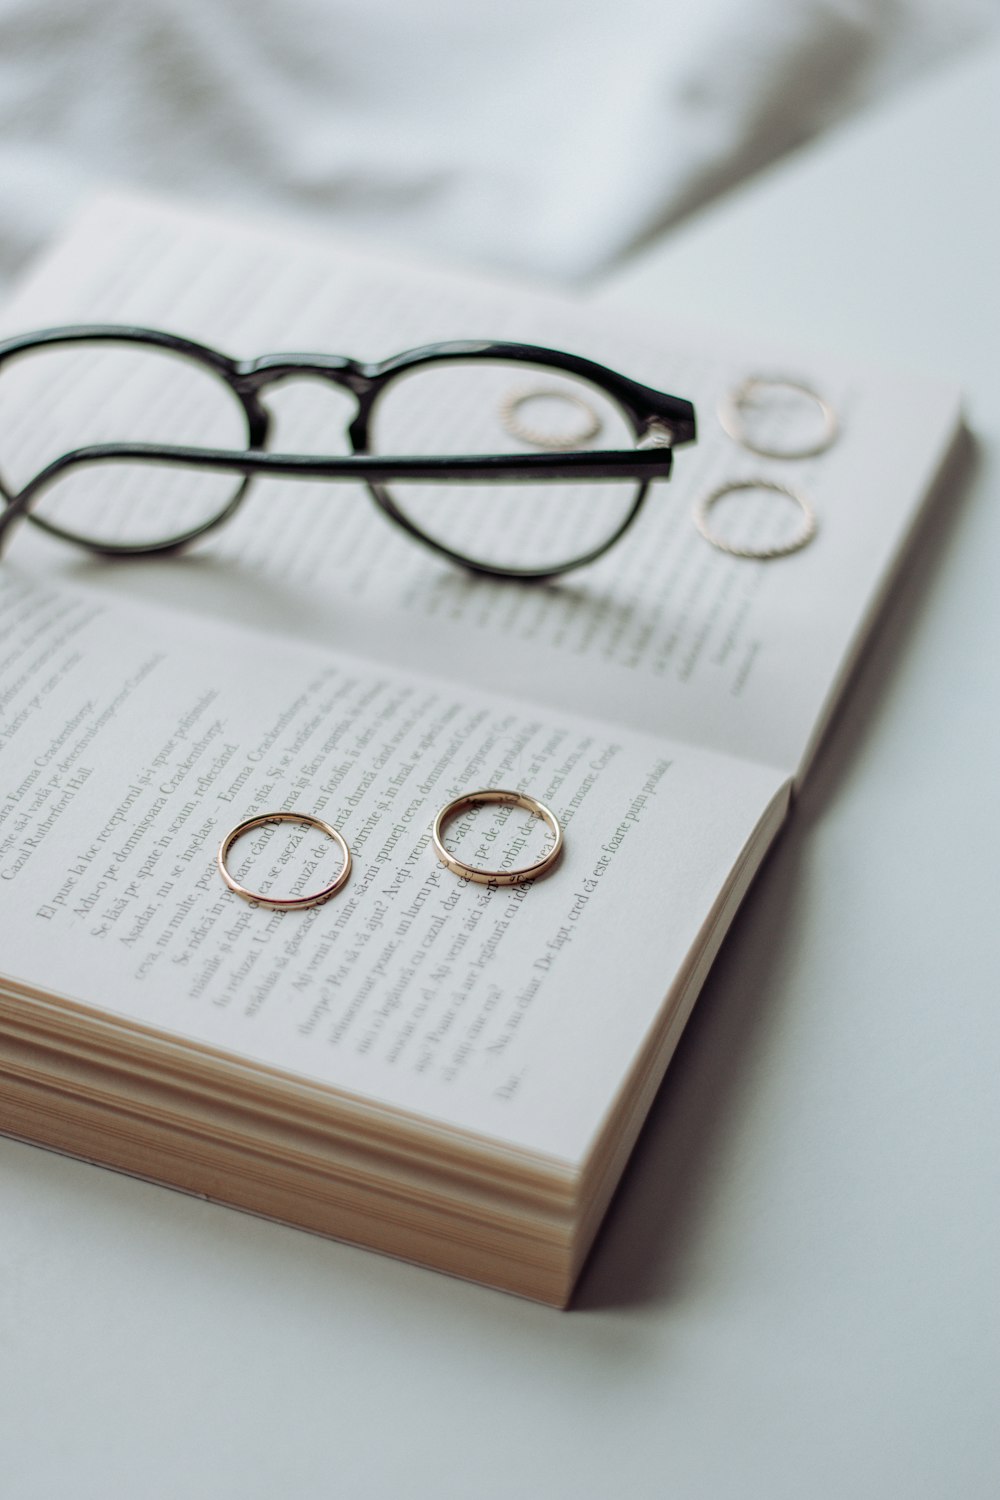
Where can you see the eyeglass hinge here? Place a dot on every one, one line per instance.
(657, 434)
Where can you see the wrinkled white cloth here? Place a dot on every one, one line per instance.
(552, 136)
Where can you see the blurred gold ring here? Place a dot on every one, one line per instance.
(504, 799)
(285, 903)
(510, 417)
(804, 535)
(731, 417)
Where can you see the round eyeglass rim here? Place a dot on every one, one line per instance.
(255, 416)
(444, 353)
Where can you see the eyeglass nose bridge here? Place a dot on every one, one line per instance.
(254, 378)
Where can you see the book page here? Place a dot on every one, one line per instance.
(665, 634)
(132, 741)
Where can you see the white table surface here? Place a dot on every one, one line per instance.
(795, 1292)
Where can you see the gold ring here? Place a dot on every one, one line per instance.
(505, 799)
(285, 903)
(731, 409)
(510, 417)
(804, 535)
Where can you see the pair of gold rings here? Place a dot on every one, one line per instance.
(732, 412)
(451, 861)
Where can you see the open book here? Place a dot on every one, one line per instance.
(448, 1071)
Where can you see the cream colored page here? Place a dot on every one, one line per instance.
(665, 634)
(130, 743)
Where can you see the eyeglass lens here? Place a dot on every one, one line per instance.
(54, 399)
(487, 406)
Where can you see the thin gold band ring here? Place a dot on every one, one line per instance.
(285, 903)
(731, 417)
(504, 799)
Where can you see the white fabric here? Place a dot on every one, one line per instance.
(544, 135)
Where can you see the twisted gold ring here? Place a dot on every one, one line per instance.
(513, 422)
(801, 538)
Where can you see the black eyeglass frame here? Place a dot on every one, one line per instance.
(659, 421)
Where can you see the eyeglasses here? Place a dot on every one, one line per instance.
(511, 460)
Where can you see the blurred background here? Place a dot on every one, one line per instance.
(548, 136)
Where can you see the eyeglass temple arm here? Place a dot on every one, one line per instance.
(652, 460)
